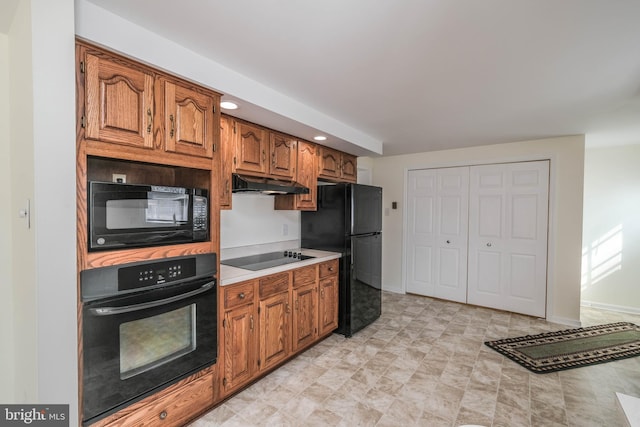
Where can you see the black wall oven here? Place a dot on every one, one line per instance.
(131, 215)
(145, 326)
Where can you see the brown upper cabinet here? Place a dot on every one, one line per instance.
(188, 120)
(251, 145)
(227, 152)
(283, 156)
(118, 102)
(336, 165)
(126, 103)
(307, 165)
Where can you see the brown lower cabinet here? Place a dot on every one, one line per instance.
(174, 406)
(278, 316)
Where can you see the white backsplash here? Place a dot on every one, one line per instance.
(254, 226)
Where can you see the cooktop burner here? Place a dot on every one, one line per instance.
(268, 260)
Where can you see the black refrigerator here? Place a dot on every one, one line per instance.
(349, 220)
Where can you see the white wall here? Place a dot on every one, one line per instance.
(611, 231)
(567, 162)
(53, 53)
(23, 278)
(7, 359)
(254, 221)
(42, 158)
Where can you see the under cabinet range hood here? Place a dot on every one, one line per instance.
(242, 183)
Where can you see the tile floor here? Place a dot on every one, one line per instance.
(423, 363)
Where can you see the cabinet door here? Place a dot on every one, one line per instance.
(304, 316)
(239, 346)
(349, 169)
(283, 155)
(328, 305)
(274, 330)
(306, 174)
(251, 148)
(119, 103)
(226, 162)
(330, 163)
(189, 117)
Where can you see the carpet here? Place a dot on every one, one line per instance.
(571, 348)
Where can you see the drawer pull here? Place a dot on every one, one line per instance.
(241, 295)
(331, 268)
(163, 415)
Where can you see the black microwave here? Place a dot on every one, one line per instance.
(129, 216)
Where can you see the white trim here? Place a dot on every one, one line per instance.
(564, 321)
(610, 307)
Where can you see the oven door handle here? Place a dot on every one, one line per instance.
(108, 311)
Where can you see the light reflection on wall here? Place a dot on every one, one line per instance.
(602, 257)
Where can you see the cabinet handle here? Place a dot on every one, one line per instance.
(149, 120)
(288, 309)
(448, 241)
(489, 244)
(227, 185)
(264, 155)
(241, 295)
(322, 293)
(163, 415)
(273, 159)
(173, 125)
(331, 269)
(251, 322)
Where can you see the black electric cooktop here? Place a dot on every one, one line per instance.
(268, 260)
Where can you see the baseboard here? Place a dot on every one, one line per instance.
(610, 307)
(394, 290)
(564, 321)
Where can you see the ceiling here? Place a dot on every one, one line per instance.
(427, 75)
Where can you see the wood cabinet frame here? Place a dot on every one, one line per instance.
(120, 129)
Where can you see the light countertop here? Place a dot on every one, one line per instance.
(229, 275)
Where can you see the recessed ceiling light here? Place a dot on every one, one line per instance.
(228, 105)
(320, 138)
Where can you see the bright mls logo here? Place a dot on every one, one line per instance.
(34, 415)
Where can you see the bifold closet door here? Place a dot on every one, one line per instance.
(437, 207)
(508, 212)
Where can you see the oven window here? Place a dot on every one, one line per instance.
(157, 210)
(153, 341)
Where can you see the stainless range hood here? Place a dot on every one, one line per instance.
(242, 183)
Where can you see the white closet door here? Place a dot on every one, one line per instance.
(508, 214)
(438, 204)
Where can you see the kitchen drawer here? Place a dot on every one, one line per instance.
(328, 268)
(175, 408)
(304, 275)
(274, 284)
(235, 295)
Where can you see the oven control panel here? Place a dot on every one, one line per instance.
(126, 278)
(155, 273)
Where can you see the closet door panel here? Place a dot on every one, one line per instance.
(420, 237)
(508, 236)
(437, 235)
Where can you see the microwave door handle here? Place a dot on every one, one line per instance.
(108, 311)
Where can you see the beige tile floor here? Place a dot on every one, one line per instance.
(423, 363)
